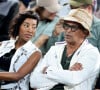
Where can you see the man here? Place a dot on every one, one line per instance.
(53, 72)
(47, 10)
(95, 28)
(94, 38)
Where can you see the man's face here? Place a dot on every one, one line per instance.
(73, 32)
(48, 15)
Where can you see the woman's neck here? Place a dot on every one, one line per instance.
(19, 43)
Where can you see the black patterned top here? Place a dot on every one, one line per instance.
(5, 60)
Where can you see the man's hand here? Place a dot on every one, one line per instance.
(58, 28)
(44, 70)
(76, 67)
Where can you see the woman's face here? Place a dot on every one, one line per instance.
(27, 29)
(73, 34)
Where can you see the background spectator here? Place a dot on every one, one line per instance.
(47, 10)
(8, 9)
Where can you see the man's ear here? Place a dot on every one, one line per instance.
(89, 9)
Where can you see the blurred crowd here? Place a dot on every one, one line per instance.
(49, 44)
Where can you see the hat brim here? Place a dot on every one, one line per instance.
(53, 8)
(72, 19)
(75, 3)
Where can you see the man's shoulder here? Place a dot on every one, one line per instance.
(96, 21)
(55, 20)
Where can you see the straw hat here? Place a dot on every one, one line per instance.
(80, 16)
(50, 5)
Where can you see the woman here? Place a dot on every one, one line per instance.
(58, 70)
(19, 56)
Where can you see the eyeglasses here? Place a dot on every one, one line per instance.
(73, 28)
